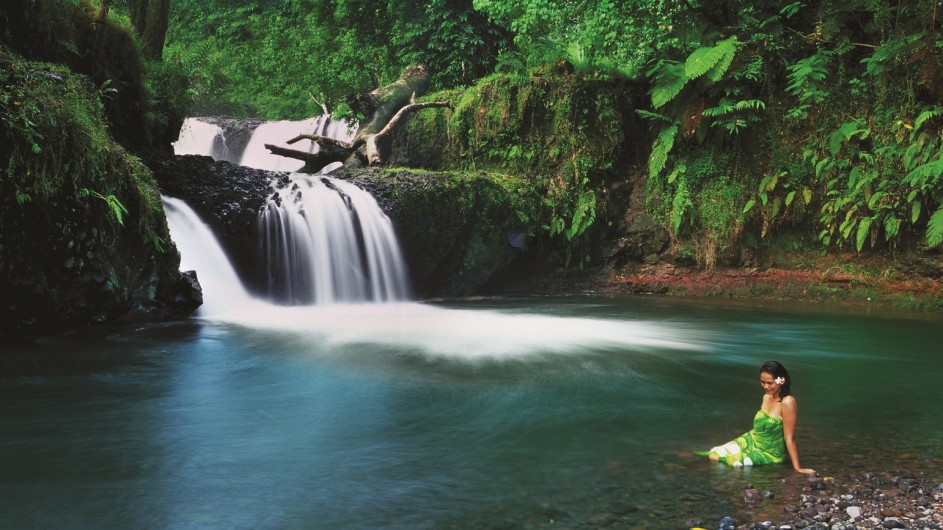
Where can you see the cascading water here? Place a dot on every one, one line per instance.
(200, 251)
(201, 138)
(329, 246)
(323, 240)
(278, 132)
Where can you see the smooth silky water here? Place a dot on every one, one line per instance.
(484, 413)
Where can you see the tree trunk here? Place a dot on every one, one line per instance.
(384, 108)
(150, 19)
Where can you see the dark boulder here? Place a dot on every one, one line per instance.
(227, 198)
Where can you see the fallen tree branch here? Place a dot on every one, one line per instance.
(384, 108)
(313, 161)
(412, 108)
(321, 140)
(372, 149)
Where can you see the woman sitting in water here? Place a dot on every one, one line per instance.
(774, 426)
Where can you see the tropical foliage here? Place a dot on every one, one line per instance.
(762, 118)
(283, 60)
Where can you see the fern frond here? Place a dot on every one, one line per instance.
(660, 150)
(725, 106)
(935, 228)
(729, 47)
(791, 9)
(890, 54)
(668, 82)
(925, 174)
(807, 75)
(891, 227)
(583, 215)
(652, 116)
(722, 108)
(926, 115)
(715, 59)
(750, 104)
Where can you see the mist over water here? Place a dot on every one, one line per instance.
(407, 326)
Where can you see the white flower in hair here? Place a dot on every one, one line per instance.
(780, 380)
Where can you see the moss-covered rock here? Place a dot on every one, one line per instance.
(457, 229)
(144, 102)
(83, 236)
(571, 138)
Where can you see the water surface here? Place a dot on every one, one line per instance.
(487, 413)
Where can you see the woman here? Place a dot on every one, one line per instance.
(774, 426)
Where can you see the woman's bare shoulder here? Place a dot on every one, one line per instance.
(789, 402)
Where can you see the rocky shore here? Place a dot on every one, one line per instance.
(872, 281)
(871, 500)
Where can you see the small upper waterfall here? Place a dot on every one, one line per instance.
(322, 240)
(278, 132)
(201, 138)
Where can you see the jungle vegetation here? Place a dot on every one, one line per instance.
(816, 118)
(764, 116)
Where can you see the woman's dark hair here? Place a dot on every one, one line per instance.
(775, 369)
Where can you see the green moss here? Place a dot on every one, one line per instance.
(58, 155)
(564, 135)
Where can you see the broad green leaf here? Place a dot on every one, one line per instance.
(915, 212)
(660, 149)
(789, 197)
(863, 228)
(807, 195)
(749, 205)
(891, 226)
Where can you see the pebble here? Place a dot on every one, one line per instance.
(870, 501)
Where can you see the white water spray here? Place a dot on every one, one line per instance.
(199, 138)
(223, 292)
(326, 241)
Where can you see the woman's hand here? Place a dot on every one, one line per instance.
(805, 470)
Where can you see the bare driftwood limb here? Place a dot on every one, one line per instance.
(321, 140)
(394, 121)
(384, 108)
(313, 161)
(372, 150)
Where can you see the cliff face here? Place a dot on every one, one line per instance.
(83, 238)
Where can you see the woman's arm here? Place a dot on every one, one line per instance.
(789, 433)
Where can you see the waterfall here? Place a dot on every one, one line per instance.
(198, 137)
(200, 251)
(278, 132)
(323, 240)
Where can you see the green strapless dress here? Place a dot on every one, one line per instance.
(764, 444)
